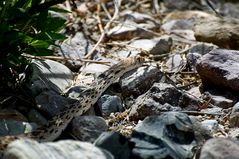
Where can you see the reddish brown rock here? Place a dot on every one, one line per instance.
(220, 68)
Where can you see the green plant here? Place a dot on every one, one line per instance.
(25, 27)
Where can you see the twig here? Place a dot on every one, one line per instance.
(200, 113)
(62, 59)
(116, 5)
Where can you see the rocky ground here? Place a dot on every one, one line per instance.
(182, 105)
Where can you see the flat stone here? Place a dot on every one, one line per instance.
(220, 68)
(169, 135)
(88, 128)
(109, 104)
(67, 149)
(220, 148)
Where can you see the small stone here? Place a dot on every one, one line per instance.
(175, 63)
(220, 148)
(234, 116)
(211, 125)
(88, 128)
(115, 143)
(202, 134)
(109, 104)
(137, 82)
(169, 135)
(163, 46)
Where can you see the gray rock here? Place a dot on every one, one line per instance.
(49, 75)
(175, 63)
(163, 46)
(74, 48)
(234, 116)
(180, 24)
(68, 149)
(220, 68)
(51, 103)
(181, 4)
(116, 144)
(202, 134)
(36, 117)
(169, 135)
(109, 104)
(88, 128)
(13, 127)
(230, 9)
(159, 98)
(137, 82)
(234, 133)
(211, 125)
(202, 48)
(129, 30)
(220, 148)
(196, 51)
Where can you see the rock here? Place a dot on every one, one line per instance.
(36, 117)
(192, 15)
(13, 127)
(202, 48)
(230, 10)
(137, 82)
(137, 17)
(129, 30)
(116, 144)
(169, 135)
(159, 98)
(223, 32)
(68, 149)
(51, 103)
(88, 128)
(48, 75)
(220, 68)
(233, 133)
(74, 48)
(175, 63)
(202, 134)
(234, 116)
(196, 51)
(211, 125)
(109, 104)
(177, 25)
(220, 148)
(163, 46)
